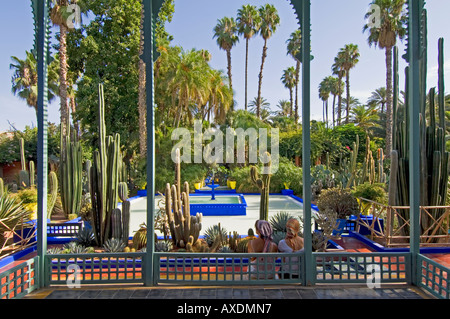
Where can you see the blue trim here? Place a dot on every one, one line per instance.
(7, 260)
(381, 248)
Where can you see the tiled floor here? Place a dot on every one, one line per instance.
(399, 292)
(443, 259)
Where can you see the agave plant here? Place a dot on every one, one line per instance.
(11, 212)
(85, 237)
(279, 220)
(163, 246)
(213, 232)
(114, 245)
(54, 250)
(74, 248)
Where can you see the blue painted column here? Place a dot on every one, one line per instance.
(415, 11)
(306, 136)
(42, 162)
(148, 60)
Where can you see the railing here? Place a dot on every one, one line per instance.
(22, 234)
(434, 277)
(361, 267)
(19, 280)
(96, 268)
(435, 222)
(228, 268)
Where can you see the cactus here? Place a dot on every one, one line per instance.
(353, 164)
(263, 184)
(126, 205)
(71, 175)
(87, 169)
(53, 183)
(434, 160)
(24, 176)
(181, 224)
(2, 187)
(140, 238)
(32, 173)
(104, 177)
(116, 223)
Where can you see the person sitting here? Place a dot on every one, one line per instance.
(290, 244)
(262, 267)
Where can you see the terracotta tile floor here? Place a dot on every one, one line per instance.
(353, 245)
(443, 259)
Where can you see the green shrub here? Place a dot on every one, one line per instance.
(287, 173)
(374, 192)
(340, 201)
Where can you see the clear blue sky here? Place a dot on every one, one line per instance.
(334, 24)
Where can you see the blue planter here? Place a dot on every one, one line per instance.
(287, 192)
(340, 227)
(363, 230)
(26, 232)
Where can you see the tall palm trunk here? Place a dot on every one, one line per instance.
(258, 101)
(73, 107)
(64, 106)
(389, 114)
(246, 72)
(142, 110)
(291, 98)
(297, 80)
(339, 102)
(142, 95)
(334, 103)
(347, 83)
(229, 68)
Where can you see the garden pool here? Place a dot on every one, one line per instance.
(239, 223)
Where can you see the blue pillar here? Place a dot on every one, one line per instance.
(415, 12)
(306, 136)
(42, 101)
(148, 60)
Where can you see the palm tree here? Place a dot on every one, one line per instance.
(188, 83)
(248, 22)
(338, 70)
(324, 95)
(289, 80)
(392, 26)
(285, 108)
(349, 57)
(24, 79)
(226, 33)
(220, 97)
(364, 117)
(377, 98)
(336, 89)
(269, 23)
(260, 103)
(293, 48)
(59, 14)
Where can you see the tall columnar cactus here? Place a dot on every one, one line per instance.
(104, 177)
(125, 211)
(70, 169)
(263, 183)
(32, 173)
(53, 183)
(434, 160)
(24, 176)
(181, 224)
(2, 187)
(353, 163)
